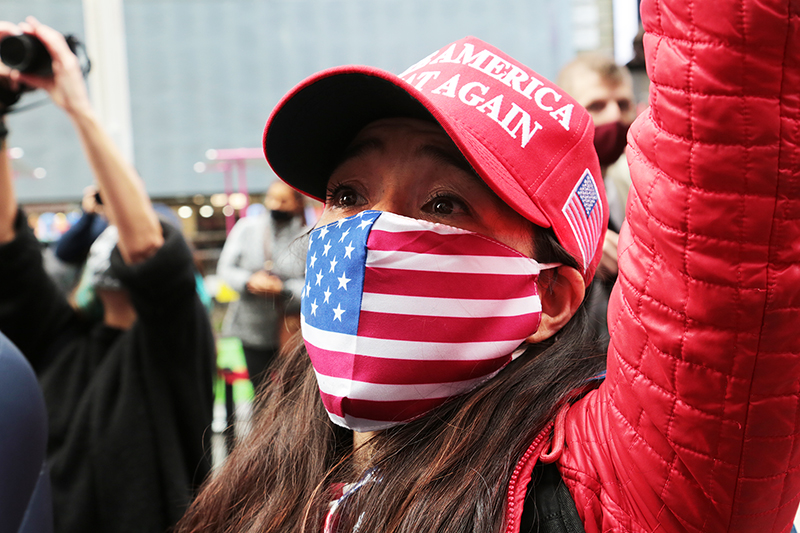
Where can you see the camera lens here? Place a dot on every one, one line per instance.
(26, 53)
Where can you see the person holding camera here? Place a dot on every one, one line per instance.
(129, 399)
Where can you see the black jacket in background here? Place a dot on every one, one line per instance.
(129, 411)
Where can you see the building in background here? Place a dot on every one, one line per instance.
(205, 75)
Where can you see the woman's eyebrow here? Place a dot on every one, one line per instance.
(361, 148)
(447, 156)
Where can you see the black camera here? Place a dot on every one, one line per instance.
(27, 54)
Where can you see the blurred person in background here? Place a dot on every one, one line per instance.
(129, 398)
(72, 249)
(73, 246)
(605, 89)
(264, 262)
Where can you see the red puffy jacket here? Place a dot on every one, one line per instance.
(697, 426)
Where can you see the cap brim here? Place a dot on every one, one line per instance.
(313, 124)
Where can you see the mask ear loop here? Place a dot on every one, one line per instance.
(519, 351)
(548, 266)
(524, 346)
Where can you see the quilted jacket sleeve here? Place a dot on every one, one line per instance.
(697, 427)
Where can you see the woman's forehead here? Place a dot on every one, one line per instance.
(419, 137)
(404, 122)
(396, 130)
(426, 140)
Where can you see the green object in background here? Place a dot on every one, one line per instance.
(230, 356)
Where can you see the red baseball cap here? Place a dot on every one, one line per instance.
(523, 135)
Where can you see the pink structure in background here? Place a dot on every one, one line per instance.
(227, 160)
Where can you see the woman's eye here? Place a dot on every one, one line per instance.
(342, 197)
(445, 205)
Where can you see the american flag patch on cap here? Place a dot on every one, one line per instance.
(584, 212)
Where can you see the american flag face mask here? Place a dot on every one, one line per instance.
(399, 314)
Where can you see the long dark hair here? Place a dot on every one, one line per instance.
(445, 472)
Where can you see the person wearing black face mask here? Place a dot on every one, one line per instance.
(281, 216)
(261, 259)
(605, 89)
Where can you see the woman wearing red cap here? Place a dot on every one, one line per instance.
(447, 381)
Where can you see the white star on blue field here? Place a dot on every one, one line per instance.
(335, 273)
